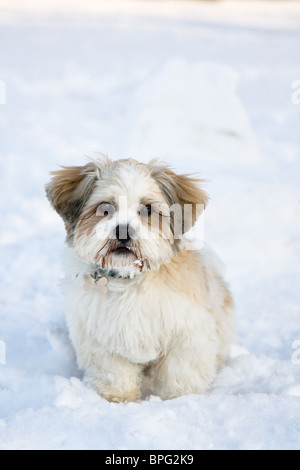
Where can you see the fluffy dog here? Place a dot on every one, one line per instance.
(138, 300)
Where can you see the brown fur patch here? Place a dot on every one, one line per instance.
(69, 191)
(183, 274)
(228, 300)
(182, 190)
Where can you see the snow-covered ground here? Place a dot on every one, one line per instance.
(209, 87)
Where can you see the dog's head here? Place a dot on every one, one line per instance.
(125, 216)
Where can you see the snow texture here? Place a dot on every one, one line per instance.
(207, 87)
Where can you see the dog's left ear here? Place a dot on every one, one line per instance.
(69, 191)
(183, 190)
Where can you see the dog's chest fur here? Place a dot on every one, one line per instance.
(135, 319)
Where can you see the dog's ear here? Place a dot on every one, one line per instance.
(183, 191)
(69, 191)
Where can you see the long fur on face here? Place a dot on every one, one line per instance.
(76, 192)
(69, 191)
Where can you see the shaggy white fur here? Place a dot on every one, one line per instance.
(165, 312)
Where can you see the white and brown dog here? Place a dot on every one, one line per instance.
(137, 300)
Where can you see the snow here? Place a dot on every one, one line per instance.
(210, 87)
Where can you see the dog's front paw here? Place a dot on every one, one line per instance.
(116, 379)
(117, 396)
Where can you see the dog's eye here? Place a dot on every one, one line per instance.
(145, 211)
(105, 209)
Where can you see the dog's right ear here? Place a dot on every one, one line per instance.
(69, 191)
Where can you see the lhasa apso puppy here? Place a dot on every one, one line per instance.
(140, 301)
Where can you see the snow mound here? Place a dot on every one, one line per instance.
(191, 111)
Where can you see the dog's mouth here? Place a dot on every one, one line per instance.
(128, 255)
(123, 250)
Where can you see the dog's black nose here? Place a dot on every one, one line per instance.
(122, 234)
